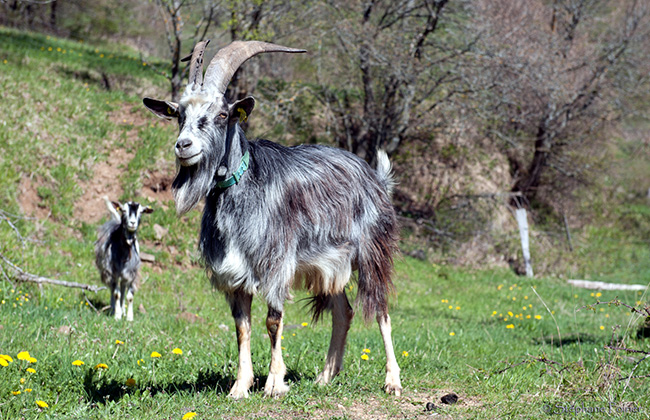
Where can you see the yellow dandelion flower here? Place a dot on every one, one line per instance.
(130, 382)
(527, 316)
(6, 357)
(458, 308)
(3, 362)
(366, 350)
(599, 294)
(405, 354)
(494, 313)
(304, 324)
(526, 297)
(538, 317)
(32, 360)
(452, 333)
(177, 351)
(22, 380)
(77, 363)
(101, 366)
(499, 287)
(602, 327)
(155, 354)
(514, 298)
(41, 404)
(119, 342)
(451, 307)
(23, 355)
(28, 390)
(575, 296)
(140, 360)
(510, 326)
(364, 357)
(606, 315)
(189, 415)
(592, 294)
(510, 314)
(15, 392)
(31, 370)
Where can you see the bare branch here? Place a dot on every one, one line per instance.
(24, 276)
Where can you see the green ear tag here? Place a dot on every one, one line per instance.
(242, 115)
(170, 111)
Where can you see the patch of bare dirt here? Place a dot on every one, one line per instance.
(106, 175)
(157, 185)
(134, 116)
(30, 203)
(412, 405)
(104, 182)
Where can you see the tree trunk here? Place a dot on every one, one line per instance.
(53, 15)
(528, 183)
(176, 70)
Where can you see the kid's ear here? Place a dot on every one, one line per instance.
(163, 109)
(240, 110)
(117, 206)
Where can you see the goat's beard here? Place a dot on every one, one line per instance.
(192, 183)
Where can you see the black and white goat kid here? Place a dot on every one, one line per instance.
(117, 254)
(277, 217)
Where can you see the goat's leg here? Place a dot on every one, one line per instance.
(275, 386)
(342, 315)
(116, 300)
(112, 288)
(240, 305)
(129, 303)
(122, 300)
(393, 384)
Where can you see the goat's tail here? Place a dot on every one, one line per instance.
(375, 265)
(385, 171)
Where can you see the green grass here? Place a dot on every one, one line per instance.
(450, 325)
(447, 336)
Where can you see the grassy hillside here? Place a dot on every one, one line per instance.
(73, 129)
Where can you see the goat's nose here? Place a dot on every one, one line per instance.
(183, 144)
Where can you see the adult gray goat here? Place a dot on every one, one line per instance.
(117, 254)
(277, 217)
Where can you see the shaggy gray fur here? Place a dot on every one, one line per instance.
(117, 256)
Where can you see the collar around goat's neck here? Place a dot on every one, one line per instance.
(234, 178)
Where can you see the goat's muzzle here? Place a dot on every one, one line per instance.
(187, 152)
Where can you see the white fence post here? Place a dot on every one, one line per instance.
(522, 221)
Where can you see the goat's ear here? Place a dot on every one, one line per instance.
(240, 110)
(147, 210)
(117, 206)
(163, 109)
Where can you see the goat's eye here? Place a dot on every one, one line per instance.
(223, 115)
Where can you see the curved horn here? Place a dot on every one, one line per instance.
(228, 59)
(196, 64)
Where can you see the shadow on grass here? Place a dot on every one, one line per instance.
(99, 391)
(569, 339)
